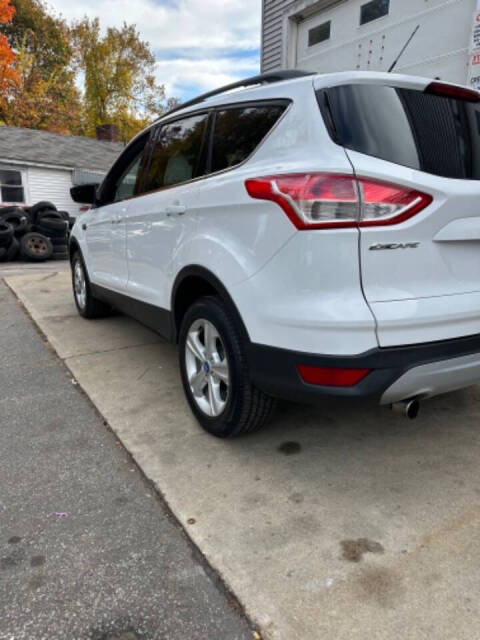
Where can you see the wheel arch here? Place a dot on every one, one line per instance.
(192, 283)
(73, 247)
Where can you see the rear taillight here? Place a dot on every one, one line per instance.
(453, 91)
(332, 376)
(327, 201)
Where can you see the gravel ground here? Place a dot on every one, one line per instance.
(87, 549)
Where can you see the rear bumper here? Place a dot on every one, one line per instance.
(397, 373)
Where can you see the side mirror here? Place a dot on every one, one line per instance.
(85, 193)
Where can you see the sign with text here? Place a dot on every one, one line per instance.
(474, 63)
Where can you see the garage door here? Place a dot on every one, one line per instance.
(52, 185)
(334, 39)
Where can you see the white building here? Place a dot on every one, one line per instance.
(340, 35)
(39, 165)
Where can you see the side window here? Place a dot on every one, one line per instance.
(126, 177)
(239, 131)
(177, 152)
(126, 185)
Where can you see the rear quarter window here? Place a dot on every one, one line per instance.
(431, 133)
(238, 132)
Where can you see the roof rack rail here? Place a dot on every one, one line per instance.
(263, 78)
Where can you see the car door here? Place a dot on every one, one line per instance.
(161, 221)
(105, 227)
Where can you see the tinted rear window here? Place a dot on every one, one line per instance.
(435, 134)
(239, 131)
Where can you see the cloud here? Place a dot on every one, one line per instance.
(185, 77)
(199, 44)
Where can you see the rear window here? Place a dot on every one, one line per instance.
(239, 131)
(436, 134)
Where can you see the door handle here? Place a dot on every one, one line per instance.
(175, 209)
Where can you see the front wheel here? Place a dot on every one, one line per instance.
(215, 372)
(87, 306)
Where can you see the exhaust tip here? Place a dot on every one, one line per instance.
(407, 408)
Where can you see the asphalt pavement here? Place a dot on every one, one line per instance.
(88, 550)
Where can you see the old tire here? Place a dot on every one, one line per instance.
(19, 220)
(12, 250)
(6, 233)
(59, 241)
(215, 373)
(35, 247)
(87, 306)
(39, 207)
(52, 220)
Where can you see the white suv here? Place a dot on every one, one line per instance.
(299, 236)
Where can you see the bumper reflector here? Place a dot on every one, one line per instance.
(332, 377)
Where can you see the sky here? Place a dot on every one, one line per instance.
(198, 44)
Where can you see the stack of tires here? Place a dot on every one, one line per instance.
(36, 233)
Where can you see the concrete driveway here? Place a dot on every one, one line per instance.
(339, 524)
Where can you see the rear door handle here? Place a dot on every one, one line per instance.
(175, 209)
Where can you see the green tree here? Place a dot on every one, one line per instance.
(119, 75)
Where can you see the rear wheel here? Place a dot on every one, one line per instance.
(87, 306)
(215, 372)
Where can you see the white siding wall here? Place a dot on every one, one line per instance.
(53, 185)
(272, 44)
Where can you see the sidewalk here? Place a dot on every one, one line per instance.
(87, 549)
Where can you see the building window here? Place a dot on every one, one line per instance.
(319, 34)
(374, 10)
(11, 187)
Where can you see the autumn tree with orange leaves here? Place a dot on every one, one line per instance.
(46, 96)
(44, 61)
(8, 73)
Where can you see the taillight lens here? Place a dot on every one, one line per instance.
(453, 91)
(326, 201)
(332, 377)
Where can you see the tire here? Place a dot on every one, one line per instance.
(19, 221)
(51, 220)
(240, 407)
(6, 233)
(87, 306)
(51, 232)
(59, 241)
(3, 253)
(35, 247)
(10, 209)
(39, 207)
(60, 252)
(59, 245)
(13, 250)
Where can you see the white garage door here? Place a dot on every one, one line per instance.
(334, 39)
(52, 185)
